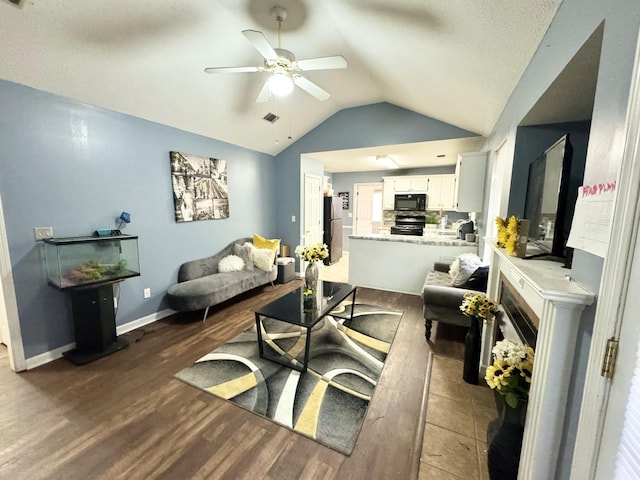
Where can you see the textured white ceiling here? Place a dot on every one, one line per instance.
(456, 61)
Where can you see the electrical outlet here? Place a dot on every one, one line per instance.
(41, 233)
(293, 219)
(146, 293)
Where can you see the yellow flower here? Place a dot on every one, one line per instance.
(512, 225)
(526, 370)
(498, 373)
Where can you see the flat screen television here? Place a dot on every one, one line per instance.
(550, 199)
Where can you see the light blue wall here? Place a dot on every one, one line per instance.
(75, 167)
(573, 24)
(366, 126)
(531, 142)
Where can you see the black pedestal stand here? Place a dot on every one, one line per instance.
(472, 352)
(94, 324)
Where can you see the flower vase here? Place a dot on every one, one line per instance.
(472, 352)
(311, 276)
(523, 235)
(504, 441)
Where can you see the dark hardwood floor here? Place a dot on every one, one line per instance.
(126, 416)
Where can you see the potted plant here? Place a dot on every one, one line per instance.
(478, 307)
(509, 376)
(312, 253)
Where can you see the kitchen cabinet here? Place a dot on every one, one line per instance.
(411, 184)
(469, 189)
(388, 193)
(441, 192)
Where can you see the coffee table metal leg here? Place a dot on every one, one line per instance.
(353, 302)
(259, 330)
(307, 347)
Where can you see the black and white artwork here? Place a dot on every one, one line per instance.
(199, 187)
(345, 200)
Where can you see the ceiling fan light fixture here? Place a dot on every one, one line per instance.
(387, 160)
(281, 83)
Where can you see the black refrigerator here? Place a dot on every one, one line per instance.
(332, 225)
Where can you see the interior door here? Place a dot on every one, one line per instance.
(367, 212)
(602, 414)
(312, 210)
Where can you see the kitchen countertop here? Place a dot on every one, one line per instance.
(430, 238)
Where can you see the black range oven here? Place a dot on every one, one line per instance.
(409, 225)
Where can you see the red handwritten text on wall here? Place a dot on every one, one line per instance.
(597, 189)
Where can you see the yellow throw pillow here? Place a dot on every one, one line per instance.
(261, 242)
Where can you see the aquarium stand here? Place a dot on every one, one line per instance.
(94, 324)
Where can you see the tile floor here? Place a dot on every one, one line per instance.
(454, 444)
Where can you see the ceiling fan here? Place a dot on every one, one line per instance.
(283, 66)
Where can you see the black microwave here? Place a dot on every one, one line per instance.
(410, 201)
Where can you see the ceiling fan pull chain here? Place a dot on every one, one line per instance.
(276, 123)
(289, 136)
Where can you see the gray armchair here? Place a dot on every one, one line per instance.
(441, 301)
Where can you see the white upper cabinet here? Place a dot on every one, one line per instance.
(441, 192)
(411, 184)
(388, 193)
(403, 184)
(470, 171)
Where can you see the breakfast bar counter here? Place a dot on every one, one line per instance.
(400, 263)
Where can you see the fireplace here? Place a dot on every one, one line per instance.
(517, 318)
(539, 303)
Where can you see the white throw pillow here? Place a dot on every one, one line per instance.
(462, 268)
(263, 258)
(230, 263)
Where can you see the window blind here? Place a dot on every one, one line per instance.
(628, 457)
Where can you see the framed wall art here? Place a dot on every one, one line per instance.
(199, 187)
(345, 200)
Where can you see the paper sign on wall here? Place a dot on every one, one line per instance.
(591, 226)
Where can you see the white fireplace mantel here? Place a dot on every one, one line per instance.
(545, 286)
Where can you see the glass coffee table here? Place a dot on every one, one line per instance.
(292, 309)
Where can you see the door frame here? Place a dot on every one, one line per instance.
(354, 218)
(9, 306)
(303, 223)
(609, 316)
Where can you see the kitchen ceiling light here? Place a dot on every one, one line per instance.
(388, 161)
(281, 83)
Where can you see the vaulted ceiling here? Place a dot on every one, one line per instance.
(456, 61)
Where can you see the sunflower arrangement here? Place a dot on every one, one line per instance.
(508, 233)
(511, 371)
(312, 253)
(477, 305)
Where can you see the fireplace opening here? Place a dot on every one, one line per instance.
(518, 315)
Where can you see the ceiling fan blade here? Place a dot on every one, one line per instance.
(260, 43)
(265, 93)
(322, 63)
(231, 69)
(311, 88)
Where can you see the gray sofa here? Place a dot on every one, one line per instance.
(201, 286)
(441, 301)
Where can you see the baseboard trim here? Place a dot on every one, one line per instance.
(146, 320)
(51, 355)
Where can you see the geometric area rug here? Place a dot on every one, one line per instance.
(329, 402)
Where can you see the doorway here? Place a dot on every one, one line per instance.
(367, 209)
(312, 210)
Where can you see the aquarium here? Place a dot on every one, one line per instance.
(82, 261)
